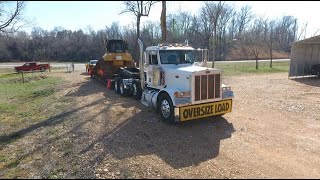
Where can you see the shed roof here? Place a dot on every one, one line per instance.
(312, 40)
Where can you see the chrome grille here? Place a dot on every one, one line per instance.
(207, 87)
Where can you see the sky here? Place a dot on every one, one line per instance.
(75, 15)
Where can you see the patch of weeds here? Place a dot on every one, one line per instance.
(3, 158)
(9, 75)
(42, 93)
(76, 168)
(7, 107)
(57, 173)
(67, 152)
(25, 114)
(120, 113)
(52, 131)
(12, 164)
(126, 173)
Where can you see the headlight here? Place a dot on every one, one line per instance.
(227, 88)
(182, 94)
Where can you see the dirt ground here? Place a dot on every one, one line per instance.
(272, 132)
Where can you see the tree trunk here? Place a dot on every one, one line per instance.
(271, 58)
(136, 44)
(173, 30)
(163, 22)
(257, 66)
(138, 26)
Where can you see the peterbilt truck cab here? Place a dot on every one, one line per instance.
(181, 87)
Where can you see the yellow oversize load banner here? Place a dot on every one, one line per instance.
(205, 110)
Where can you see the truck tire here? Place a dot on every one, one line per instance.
(166, 109)
(42, 69)
(123, 91)
(136, 90)
(116, 85)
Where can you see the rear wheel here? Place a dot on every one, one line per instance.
(165, 107)
(136, 90)
(42, 69)
(123, 91)
(116, 85)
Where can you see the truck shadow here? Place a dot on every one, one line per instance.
(92, 86)
(89, 87)
(180, 146)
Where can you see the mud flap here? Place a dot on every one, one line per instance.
(176, 114)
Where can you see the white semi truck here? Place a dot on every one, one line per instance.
(179, 87)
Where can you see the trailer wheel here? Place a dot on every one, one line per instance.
(116, 85)
(123, 91)
(166, 109)
(136, 90)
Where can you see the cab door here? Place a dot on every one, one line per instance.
(151, 66)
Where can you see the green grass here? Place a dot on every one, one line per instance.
(23, 103)
(4, 71)
(3, 159)
(238, 68)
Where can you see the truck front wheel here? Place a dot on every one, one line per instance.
(166, 109)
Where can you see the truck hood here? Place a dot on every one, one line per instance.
(179, 76)
(186, 69)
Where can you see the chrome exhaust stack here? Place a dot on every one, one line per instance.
(141, 64)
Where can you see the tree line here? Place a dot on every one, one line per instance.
(227, 32)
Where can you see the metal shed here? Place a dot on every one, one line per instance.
(304, 54)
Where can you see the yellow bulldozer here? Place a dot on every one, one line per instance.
(116, 56)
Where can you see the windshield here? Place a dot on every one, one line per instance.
(92, 62)
(176, 56)
(116, 46)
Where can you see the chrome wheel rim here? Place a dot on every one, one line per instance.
(135, 91)
(165, 108)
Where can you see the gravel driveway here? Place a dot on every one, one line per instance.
(273, 132)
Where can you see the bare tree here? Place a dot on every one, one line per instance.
(10, 15)
(163, 22)
(114, 31)
(243, 18)
(270, 39)
(254, 39)
(139, 9)
(224, 43)
(179, 26)
(214, 11)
